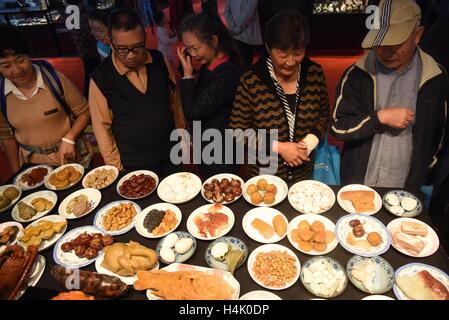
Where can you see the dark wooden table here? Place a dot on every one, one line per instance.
(48, 287)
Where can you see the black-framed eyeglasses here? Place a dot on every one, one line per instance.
(125, 51)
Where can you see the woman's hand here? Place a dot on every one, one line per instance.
(186, 61)
(291, 152)
(66, 152)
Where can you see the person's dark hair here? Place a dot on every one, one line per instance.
(13, 42)
(287, 30)
(158, 17)
(205, 27)
(100, 15)
(124, 20)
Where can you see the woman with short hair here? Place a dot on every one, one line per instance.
(285, 91)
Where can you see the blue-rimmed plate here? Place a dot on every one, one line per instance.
(392, 201)
(234, 243)
(360, 246)
(98, 220)
(324, 277)
(179, 258)
(413, 268)
(69, 259)
(24, 185)
(373, 275)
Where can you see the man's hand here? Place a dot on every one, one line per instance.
(398, 118)
(66, 153)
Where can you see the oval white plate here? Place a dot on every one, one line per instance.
(7, 224)
(36, 274)
(412, 268)
(300, 200)
(225, 275)
(98, 220)
(267, 248)
(129, 175)
(76, 166)
(235, 243)
(93, 195)
(260, 295)
(347, 205)
(69, 259)
(219, 177)
(49, 195)
(25, 186)
(159, 206)
(343, 228)
(377, 297)
(431, 240)
(192, 181)
(128, 280)
(13, 202)
(266, 215)
(282, 189)
(45, 244)
(106, 167)
(179, 258)
(310, 218)
(193, 229)
(335, 265)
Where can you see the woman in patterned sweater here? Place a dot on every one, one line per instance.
(286, 91)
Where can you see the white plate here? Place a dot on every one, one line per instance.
(98, 220)
(7, 224)
(347, 205)
(45, 244)
(267, 248)
(412, 268)
(431, 240)
(304, 194)
(106, 167)
(225, 275)
(179, 258)
(128, 280)
(179, 187)
(159, 206)
(310, 218)
(343, 229)
(377, 297)
(69, 259)
(93, 196)
(260, 295)
(25, 186)
(49, 195)
(266, 215)
(220, 177)
(36, 274)
(335, 265)
(76, 166)
(13, 202)
(193, 229)
(138, 172)
(282, 189)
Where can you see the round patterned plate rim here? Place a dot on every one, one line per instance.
(342, 242)
(208, 253)
(110, 205)
(185, 256)
(387, 206)
(359, 285)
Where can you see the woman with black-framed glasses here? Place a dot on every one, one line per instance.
(131, 95)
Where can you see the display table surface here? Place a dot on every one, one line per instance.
(48, 287)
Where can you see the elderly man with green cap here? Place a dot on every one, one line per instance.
(391, 105)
